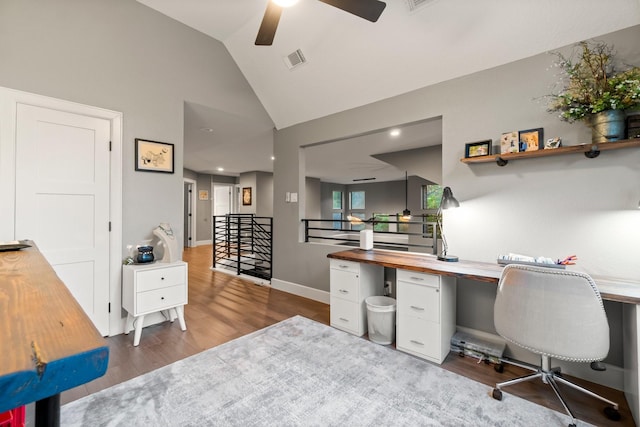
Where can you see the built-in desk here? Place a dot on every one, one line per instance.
(48, 343)
(619, 290)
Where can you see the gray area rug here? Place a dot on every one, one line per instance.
(302, 373)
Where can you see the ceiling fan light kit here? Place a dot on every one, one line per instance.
(365, 9)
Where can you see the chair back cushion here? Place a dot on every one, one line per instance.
(552, 312)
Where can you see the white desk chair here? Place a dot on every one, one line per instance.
(556, 314)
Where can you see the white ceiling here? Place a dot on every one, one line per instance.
(353, 62)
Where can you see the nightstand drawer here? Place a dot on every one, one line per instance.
(148, 280)
(161, 299)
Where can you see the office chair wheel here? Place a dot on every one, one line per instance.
(496, 394)
(612, 413)
(499, 368)
(572, 425)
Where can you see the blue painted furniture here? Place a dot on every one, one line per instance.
(48, 343)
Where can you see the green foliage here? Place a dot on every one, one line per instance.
(592, 84)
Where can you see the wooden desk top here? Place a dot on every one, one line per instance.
(48, 343)
(611, 289)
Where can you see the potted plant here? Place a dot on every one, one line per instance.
(595, 90)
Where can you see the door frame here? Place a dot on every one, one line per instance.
(194, 200)
(9, 99)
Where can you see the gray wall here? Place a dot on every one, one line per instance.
(313, 191)
(123, 56)
(548, 206)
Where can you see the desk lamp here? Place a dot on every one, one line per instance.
(447, 201)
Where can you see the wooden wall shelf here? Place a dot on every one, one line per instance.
(590, 150)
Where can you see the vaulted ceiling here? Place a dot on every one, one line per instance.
(352, 62)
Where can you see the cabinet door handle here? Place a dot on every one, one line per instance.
(419, 279)
(343, 291)
(162, 278)
(417, 308)
(161, 297)
(417, 342)
(344, 320)
(343, 266)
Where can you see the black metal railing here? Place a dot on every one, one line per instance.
(243, 243)
(394, 235)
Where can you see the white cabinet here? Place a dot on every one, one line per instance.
(149, 288)
(352, 282)
(426, 314)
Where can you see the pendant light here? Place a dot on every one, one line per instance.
(406, 213)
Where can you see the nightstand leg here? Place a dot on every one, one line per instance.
(136, 337)
(128, 326)
(173, 313)
(180, 311)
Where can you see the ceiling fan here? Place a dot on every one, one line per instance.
(366, 9)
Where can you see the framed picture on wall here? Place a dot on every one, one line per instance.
(246, 196)
(154, 156)
(531, 139)
(509, 142)
(477, 149)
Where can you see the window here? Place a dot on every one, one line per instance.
(360, 225)
(336, 197)
(337, 200)
(431, 196)
(381, 222)
(337, 218)
(356, 200)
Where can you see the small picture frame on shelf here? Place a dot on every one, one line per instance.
(477, 149)
(509, 142)
(552, 143)
(530, 139)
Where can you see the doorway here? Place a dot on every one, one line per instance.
(74, 215)
(189, 213)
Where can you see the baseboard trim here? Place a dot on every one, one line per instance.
(204, 242)
(613, 377)
(300, 290)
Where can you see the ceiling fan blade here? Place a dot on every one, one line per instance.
(267, 30)
(366, 9)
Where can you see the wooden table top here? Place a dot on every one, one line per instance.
(611, 289)
(48, 343)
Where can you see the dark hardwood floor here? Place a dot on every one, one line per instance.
(224, 307)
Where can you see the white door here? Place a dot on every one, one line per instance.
(222, 199)
(62, 199)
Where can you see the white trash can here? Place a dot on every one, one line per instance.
(381, 319)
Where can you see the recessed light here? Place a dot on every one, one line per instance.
(206, 130)
(220, 169)
(273, 157)
(394, 132)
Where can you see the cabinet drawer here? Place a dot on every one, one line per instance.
(160, 299)
(416, 277)
(420, 301)
(344, 284)
(147, 280)
(338, 264)
(345, 315)
(418, 336)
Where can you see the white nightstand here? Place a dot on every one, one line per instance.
(149, 288)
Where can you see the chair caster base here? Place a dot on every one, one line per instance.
(612, 413)
(496, 394)
(499, 368)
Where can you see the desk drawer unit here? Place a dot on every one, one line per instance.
(426, 314)
(350, 284)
